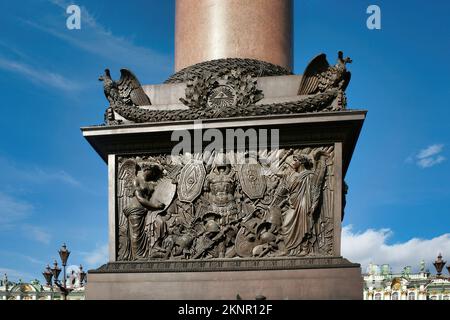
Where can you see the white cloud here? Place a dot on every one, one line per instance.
(429, 156)
(37, 233)
(97, 39)
(96, 257)
(15, 275)
(371, 246)
(35, 174)
(430, 151)
(41, 77)
(12, 209)
(41, 175)
(32, 260)
(15, 255)
(429, 162)
(13, 49)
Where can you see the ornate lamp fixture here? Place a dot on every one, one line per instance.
(54, 272)
(48, 275)
(439, 264)
(64, 254)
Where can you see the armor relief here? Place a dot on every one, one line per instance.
(276, 203)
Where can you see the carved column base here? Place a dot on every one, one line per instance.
(301, 278)
(178, 268)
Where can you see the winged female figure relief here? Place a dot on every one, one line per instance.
(141, 227)
(303, 181)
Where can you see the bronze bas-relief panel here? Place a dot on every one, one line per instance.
(277, 203)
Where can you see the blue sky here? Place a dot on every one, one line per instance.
(54, 186)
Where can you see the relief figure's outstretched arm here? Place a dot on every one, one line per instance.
(151, 204)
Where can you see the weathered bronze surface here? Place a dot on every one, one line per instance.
(327, 101)
(276, 204)
(231, 93)
(127, 91)
(221, 67)
(319, 76)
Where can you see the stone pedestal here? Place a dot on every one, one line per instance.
(316, 278)
(327, 277)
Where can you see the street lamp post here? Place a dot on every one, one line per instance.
(53, 273)
(64, 255)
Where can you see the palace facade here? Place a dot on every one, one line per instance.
(34, 290)
(381, 284)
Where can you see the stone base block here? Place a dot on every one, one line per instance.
(335, 282)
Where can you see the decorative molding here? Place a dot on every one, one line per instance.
(252, 67)
(226, 265)
(310, 104)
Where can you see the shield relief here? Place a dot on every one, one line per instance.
(191, 180)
